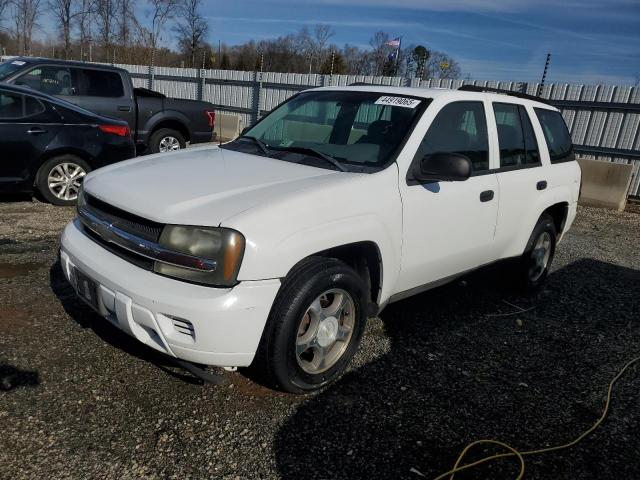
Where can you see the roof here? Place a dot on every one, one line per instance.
(73, 63)
(433, 93)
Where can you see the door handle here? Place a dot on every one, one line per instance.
(486, 196)
(124, 108)
(541, 185)
(36, 131)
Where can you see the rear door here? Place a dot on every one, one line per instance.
(521, 175)
(104, 92)
(448, 227)
(27, 127)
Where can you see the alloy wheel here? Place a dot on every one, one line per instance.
(540, 256)
(64, 180)
(169, 144)
(325, 330)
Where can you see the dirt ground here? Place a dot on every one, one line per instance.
(79, 399)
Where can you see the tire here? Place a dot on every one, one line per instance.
(532, 268)
(166, 140)
(302, 316)
(59, 179)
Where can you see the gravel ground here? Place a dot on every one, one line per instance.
(78, 399)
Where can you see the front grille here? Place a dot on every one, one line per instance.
(126, 221)
(131, 257)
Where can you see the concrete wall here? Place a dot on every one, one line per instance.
(227, 126)
(605, 184)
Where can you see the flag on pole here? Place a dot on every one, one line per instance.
(395, 43)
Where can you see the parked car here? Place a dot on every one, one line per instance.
(50, 145)
(274, 248)
(158, 123)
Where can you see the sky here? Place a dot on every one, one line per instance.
(590, 41)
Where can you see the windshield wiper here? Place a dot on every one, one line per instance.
(315, 153)
(258, 142)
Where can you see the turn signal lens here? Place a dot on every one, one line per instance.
(119, 130)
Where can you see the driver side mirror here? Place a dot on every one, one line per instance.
(445, 167)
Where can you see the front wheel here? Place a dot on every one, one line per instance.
(314, 327)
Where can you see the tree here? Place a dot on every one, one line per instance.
(64, 11)
(225, 63)
(105, 14)
(161, 12)
(441, 65)
(191, 28)
(339, 66)
(25, 16)
(418, 58)
(83, 23)
(380, 53)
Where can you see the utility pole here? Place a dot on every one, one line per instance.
(544, 75)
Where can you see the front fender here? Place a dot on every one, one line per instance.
(280, 235)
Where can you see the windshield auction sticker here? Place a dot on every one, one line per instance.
(398, 102)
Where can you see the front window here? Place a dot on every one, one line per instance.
(346, 130)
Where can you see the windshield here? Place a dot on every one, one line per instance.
(345, 130)
(10, 66)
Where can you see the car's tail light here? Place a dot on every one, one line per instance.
(211, 117)
(120, 130)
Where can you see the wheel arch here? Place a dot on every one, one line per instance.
(49, 154)
(364, 257)
(174, 124)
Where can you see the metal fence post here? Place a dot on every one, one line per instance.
(150, 76)
(257, 96)
(201, 84)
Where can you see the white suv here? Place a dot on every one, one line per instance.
(274, 248)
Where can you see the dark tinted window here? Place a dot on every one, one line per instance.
(556, 134)
(99, 83)
(460, 127)
(516, 138)
(53, 80)
(32, 106)
(530, 143)
(10, 105)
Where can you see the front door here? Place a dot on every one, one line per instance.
(449, 227)
(25, 132)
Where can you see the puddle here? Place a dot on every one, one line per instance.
(11, 270)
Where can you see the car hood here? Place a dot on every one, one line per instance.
(200, 186)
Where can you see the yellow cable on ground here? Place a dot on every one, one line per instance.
(520, 455)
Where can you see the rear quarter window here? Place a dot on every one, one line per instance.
(556, 135)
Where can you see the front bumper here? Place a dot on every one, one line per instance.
(211, 326)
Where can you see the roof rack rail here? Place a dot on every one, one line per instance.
(476, 88)
(360, 84)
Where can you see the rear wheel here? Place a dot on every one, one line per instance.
(166, 140)
(533, 267)
(59, 179)
(314, 327)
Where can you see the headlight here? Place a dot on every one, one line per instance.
(223, 246)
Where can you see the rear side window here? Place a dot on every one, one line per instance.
(556, 135)
(460, 127)
(53, 80)
(32, 106)
(11, 105)
(516, 138)
(100, 83)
